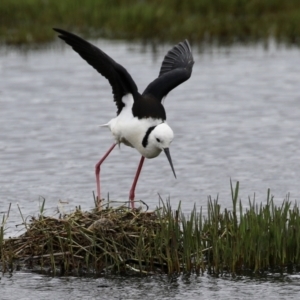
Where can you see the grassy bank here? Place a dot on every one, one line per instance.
(259, 238)
(222, 21)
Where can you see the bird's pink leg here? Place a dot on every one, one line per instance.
(131, 194)
(97, 171)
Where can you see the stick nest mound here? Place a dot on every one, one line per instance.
(255, 239)
(113, 239)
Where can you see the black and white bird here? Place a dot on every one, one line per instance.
(141, 118)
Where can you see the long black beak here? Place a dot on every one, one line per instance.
(167, 151)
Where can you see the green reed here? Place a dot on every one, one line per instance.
(260, 237)
(223, 21)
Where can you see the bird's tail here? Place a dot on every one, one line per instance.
(104, 125)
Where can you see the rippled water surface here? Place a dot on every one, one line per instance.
(22, 286)
(238, 117)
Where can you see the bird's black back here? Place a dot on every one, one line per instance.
(148, 107)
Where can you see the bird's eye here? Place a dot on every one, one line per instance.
(158, 140)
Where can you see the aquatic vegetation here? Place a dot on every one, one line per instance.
(209, 21)
(245, 240)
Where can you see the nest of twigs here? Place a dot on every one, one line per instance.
(110, 240)
(121, 240)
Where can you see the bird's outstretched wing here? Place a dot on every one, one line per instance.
(175, 69)
(120, 80)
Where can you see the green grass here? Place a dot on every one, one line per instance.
(222, 21)
(250, 239)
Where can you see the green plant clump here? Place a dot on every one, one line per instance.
(259, 238)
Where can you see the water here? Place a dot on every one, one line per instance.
(35, 286)
(237, 117)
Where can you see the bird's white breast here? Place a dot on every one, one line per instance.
(130, 130)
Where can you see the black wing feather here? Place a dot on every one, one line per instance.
(118, 77)
(175, 69)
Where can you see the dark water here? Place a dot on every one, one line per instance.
(238, 117)
(34, 286)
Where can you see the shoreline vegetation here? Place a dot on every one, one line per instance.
(200, 21)
(253, 240)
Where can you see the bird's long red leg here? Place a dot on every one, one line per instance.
(131, 194)
(97, 171)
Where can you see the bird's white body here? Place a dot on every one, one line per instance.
(131, 131)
